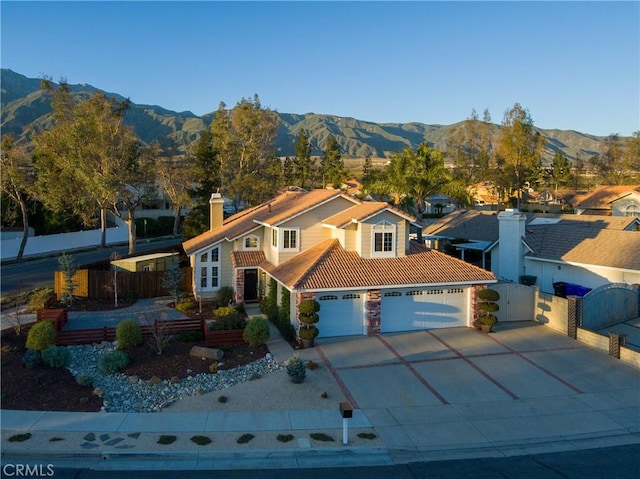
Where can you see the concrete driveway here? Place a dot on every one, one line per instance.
(457, 388)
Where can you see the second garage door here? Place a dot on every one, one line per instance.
(424, 308)
(341, 314)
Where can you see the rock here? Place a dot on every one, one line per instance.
(175, 380)
(154, 380)
(98, 392)
(133, 379)
(207, 353)
(213, 367)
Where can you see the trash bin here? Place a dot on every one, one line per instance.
(560, 289)
(576, 290)
(528, 279)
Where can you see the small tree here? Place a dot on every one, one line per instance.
(257, 332)
(41, 336)
(296, 370)
(173, 280)
(308, 317)
(488, 305)
(128, 334)
(68, 268)
(159, 334)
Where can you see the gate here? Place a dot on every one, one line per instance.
(516, 302)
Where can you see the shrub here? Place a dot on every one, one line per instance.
(245, 438)
(84, 380)
(321, 436)
(226, 313)
(41, 336)
(488, 294)
(285, 437)
(487, 306)
(56, 357)
(201, 440)
(166, 439)
(31, 358)
(224, 296)
(308, 333)
(183, 306)
(271, 303)
(296, 370)
(113, 361)
(38, 297)
(308, 307)
(227, 318)
(257, 332)
(128, 334)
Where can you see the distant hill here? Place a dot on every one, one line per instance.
(24, 105)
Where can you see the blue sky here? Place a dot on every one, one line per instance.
(573, 65)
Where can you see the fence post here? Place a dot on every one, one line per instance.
(574, 320)
(616, 340)
(104, 333)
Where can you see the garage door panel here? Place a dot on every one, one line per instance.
(426, 308)
(341, 314)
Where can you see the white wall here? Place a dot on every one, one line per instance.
(510, 265)
(38, 245)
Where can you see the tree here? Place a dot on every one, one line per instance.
(68, 268)
(89, 159)
(520, 149)
(173, 172)
(205, 172)
(15, 183)
(244, 142)
(173, 280)
(617, 158)
(469, 146)
(416, 175)
(332, 165)
(560, 169)
(303, 164)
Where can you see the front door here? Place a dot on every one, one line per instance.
(250, 285)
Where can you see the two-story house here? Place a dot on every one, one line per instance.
(355, 258)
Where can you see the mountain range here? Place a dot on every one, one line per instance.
(24, 104)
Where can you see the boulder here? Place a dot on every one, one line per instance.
(206, 353)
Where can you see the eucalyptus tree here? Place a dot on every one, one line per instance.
(519, 149)
(15, 182)
(90, 159)
(618, 158)
(469, 147)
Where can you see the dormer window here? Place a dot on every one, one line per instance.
(251, 243)
(384, 240)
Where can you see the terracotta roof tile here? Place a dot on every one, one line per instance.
(329, 266)
(247, 259)
(283, 206)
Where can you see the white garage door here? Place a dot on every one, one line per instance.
(423, 308)
(341, 314)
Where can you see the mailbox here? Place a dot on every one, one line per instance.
(346, 410)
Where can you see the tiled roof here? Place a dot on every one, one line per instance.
(329, 266)
(247, 259)
(467, 224)
(593, 243)
(360, 212)
(283, 206)
(602, 197)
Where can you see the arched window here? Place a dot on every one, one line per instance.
(632, 211)
(251, 243)
(384, 240)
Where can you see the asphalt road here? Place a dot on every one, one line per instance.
(37, 273)
(620, 462)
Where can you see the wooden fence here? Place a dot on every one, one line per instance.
(213, 339)
(99, 284)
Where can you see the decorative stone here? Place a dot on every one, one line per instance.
(213, 368)
(154, 380)
(175, 380)
(206, 353)
(133, 379)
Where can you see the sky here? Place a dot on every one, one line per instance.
(573, 65)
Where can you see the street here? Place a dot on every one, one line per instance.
(37, 273)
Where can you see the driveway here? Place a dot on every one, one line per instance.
(452, 388)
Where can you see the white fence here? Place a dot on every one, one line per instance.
(38, 245)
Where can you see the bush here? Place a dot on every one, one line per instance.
(84, 380)
(31, 358)
(308, 333)
(308, 312)
(488, 294)
(56, 357)
(183, 306)
(224, 296)
(113, 361)
(38, 297)
(128, 334)
(41, 336)
(296, 370)
(227, 318)
(257, 332)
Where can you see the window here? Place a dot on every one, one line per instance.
(384, 244)
(210, 270)
(392, 293)
(290, 239)
(633, 211)
(274, 238)
(455, 290)
(414, 293)
(146, 268)
(251, 243)
(328, 297)
(351, 296)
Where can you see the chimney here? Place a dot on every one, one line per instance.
(511, 230)
(216, 216)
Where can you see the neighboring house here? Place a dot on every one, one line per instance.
(355, 258)
(590, 251)
(609, 201)
(484, 194)
(145, 263)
